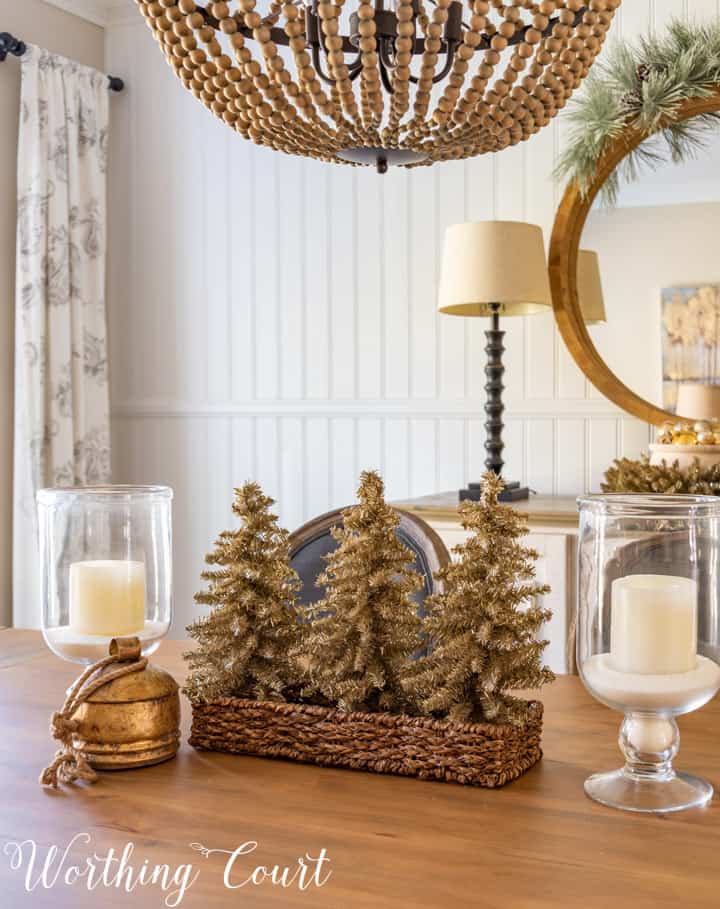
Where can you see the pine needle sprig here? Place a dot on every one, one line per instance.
(642, 85)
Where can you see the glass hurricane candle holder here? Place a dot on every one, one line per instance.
(106, 562)
(647, 635)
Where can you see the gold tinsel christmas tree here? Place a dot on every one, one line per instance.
(245, 641)
(482, 628)
(365, 629)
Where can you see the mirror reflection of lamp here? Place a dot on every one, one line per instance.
(589, 286)
(698, 401)
(684, 443)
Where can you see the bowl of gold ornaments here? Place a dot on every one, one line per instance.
(686, 441)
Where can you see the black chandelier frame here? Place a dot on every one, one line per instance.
(385, 34)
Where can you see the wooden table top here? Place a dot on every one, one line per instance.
(391, 842)
(549, 511)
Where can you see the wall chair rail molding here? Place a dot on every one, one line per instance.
(148, 409)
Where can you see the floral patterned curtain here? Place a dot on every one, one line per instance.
(61, 376)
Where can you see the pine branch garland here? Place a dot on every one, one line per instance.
(483, 627)
(246, 640)
(628, 475)
(642, 85)
(362, 633)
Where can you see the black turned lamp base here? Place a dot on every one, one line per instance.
(513, 492)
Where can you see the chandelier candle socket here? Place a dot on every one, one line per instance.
(365, 83)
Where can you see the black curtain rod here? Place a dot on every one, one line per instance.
(11, 45)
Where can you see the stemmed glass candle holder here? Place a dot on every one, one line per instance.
(647, 635)
(105, 555)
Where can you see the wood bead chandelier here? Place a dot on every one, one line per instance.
(423, 81)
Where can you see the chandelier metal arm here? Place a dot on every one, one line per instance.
(452, 46)
(438, 77)
(385, 70)
(386, 23)
(386, 52)
(349, 45)
(354, 68)
(317, 64)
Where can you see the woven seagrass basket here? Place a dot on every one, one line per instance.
(478, 754)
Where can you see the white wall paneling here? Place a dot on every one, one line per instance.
(275, 318)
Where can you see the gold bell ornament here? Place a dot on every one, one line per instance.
(120, 713)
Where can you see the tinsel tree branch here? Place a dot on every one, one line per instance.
(482, 629)
(642, 85)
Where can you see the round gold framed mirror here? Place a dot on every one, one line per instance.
(570, 220)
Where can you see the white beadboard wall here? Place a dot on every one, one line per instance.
(274, 318)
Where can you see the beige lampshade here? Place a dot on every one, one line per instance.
(487, 262)
(589, 288)
(699, 402)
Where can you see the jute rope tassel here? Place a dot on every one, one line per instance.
(69, 764)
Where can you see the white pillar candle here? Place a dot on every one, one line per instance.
(653, 624)
(107, 597)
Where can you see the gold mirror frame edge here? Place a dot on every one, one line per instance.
(562, 264)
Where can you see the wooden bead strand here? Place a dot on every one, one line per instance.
(447, 105)
(370, 72)
(430, 58)
(329, 15)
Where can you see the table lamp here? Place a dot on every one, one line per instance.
(590, 294)
(494, 268)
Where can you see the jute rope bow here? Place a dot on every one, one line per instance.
(69, 764)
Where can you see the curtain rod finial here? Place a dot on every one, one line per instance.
(11, 45)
